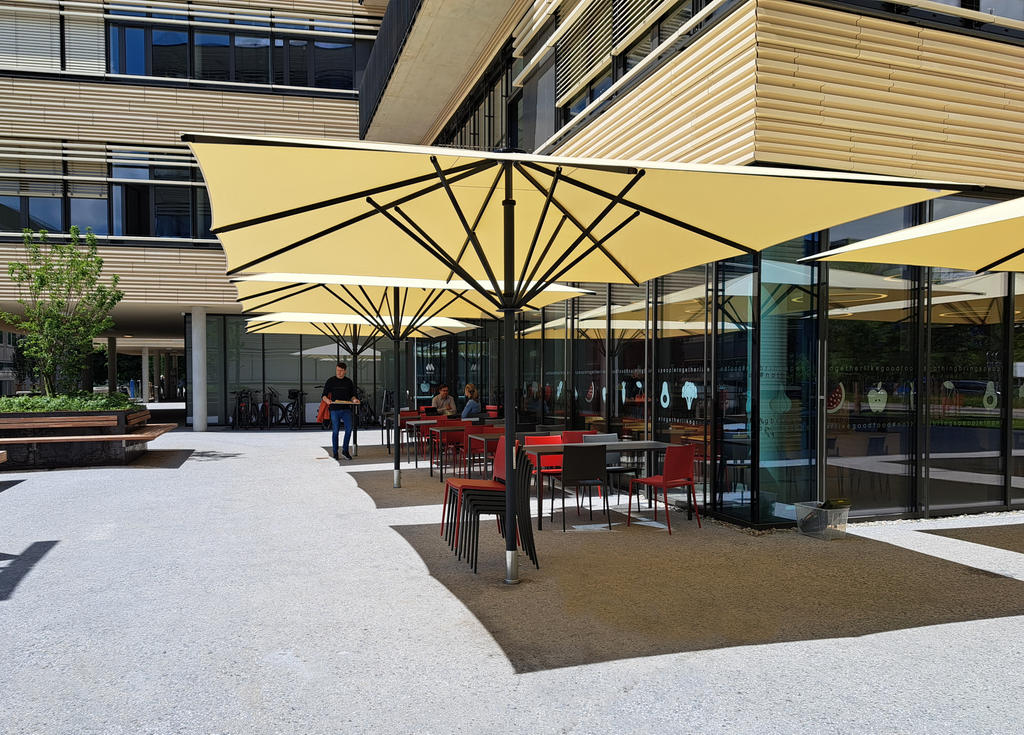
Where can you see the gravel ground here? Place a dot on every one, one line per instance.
(243, 583)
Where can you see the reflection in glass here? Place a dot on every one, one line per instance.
(170, 53)
(870, 387)
(135, 51)
(628, 402)
(44, 213)
(332, 65)
(171, 210)
(213, 60)
(589, 389)
(252, 59)
(732, 379)
(531, 404)
(10, 214)
(680, 386)
(90, 214)
(788, 388)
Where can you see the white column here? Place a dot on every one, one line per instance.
(198, 368)
(145, 375)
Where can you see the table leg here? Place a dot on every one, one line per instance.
(540, 497)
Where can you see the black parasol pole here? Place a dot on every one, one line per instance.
(398, 387)
(509, 309)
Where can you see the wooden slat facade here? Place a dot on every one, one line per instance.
(698, 108)
(156, 275)
(793, 84)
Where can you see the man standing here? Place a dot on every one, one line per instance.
(443, 402)
(340, 388)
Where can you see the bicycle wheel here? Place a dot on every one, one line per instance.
(275, 414)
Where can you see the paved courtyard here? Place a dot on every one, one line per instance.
(244, 583)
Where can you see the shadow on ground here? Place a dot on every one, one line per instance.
(418, 488)
(8, 484)
(1009, 537)
(212, 455)
(18, 565)
(608, 595)
(163, 459)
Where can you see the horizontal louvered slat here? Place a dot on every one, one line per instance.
(697, 108)
(627, 15)
(153, 275)
(583, 46)
(29, 40)
(839, 90)
(86, 48)
(87, 111)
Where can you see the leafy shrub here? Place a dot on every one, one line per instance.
(72, 402)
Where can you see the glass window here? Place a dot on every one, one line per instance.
(870, 385)
(577, 105)
(638, 52)
(1004, 8)
(213, 60)
(204, 214)
(10, 214)
(590, 391)
(44, 213)
(600, 86)
(114, 46)
(628, 404)
(252, 59)
(298, 62)
(170, 53)
(170, 173)
(171, 211)
(679, 393)
(675, 20)
(332, 65)
(277, 61)
(132, 210)
(88, 213)
(532, 399)
(131, 172)
(135, 51)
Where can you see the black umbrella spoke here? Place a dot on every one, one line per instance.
(536, 233)
(993, 264)
(470, 231)
(265, 304)
(650, 212)
(543, 254)
(382, 189)
(352, 221)
(270, 291)
(479, 216)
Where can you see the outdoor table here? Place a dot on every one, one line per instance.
(355, 422)
(440, 430)
(415, 425)
(537, 450)
(487, 439)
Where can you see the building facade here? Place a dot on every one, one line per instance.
(899, 388)
(94, 96)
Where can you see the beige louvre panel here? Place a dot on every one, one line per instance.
(583, 46)
(699, 108)
(87, 111)
(84, 43)
(29, 39)
(153, 275)
(628, 15)
(839, 90)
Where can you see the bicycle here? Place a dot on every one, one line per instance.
(271, 410)
(246, 412)
(294, 409)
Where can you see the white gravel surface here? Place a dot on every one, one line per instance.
(255, 589)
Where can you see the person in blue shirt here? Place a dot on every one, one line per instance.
(472, 402)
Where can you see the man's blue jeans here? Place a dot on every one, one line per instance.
(337, 417)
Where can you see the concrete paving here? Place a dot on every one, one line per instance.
(243, 583)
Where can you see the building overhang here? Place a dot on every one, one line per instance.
(446, 38)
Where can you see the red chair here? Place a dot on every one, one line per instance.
(550, 464)
(575, 437)
(454, 444)
(455, 486)
(492, 411)
(678, 472)
(481, 445)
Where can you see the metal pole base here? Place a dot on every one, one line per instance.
(512, 567)
(398, 478)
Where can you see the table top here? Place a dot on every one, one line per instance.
(439, 429)
(621, 446)
(485, 437)
(421, 422)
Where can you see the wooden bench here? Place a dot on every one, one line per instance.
(147, 434)
(49, 422)
(3, 456)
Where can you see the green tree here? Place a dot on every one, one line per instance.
(65, 305)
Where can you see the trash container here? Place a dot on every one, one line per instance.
(820, 521)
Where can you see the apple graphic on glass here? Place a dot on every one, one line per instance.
(877, 398)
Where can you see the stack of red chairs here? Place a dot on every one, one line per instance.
(451, 509)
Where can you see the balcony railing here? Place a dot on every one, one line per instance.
(394, 29)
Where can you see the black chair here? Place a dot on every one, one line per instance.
(584, 466)
(478, 503)
(613, 459)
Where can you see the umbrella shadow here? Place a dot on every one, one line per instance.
(634, 591)
(212, 455)
(8, 484)
(20, 565)
(164, 459)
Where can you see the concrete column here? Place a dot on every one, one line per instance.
(198, 368)
(145, 375)
(111, 365)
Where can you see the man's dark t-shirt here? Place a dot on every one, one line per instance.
(339, 389)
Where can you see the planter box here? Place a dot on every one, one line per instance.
(48, 428)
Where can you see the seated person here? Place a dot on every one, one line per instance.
(443, 402)
(472, 408)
